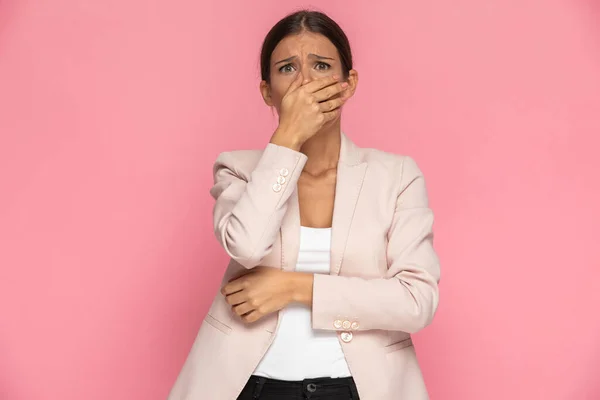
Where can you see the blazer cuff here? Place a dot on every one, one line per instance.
(331, 307)
(285, 165)
(275, 177)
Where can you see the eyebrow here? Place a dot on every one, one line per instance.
(310, 55)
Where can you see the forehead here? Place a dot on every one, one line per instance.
(303, 44)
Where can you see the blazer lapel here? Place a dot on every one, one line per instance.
(290, 234)
(350, 175)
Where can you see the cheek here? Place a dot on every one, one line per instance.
(278, 90)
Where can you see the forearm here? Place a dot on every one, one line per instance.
(248, 215)
(385, 303)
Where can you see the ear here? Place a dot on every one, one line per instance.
(265, 91)
(352, 81)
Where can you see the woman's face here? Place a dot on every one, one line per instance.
(310, 54)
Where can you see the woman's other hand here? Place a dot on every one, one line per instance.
(265, 290)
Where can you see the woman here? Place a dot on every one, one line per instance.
(332, 265)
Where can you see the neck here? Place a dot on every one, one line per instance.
(323, 150)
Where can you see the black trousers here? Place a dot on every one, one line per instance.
(259, 388)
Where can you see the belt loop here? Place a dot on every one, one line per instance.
(260, 382)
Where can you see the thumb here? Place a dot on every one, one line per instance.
(296, 83)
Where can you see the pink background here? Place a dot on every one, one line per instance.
(112, 112)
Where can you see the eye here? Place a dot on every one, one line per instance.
(287, 68)
(321, 66)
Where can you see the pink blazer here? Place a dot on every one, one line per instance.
(383, 283)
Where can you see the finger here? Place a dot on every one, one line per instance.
(243, 308)
(331, 115)
(331, 105)
(237, 298)
(330, 91)
(267, 306)
(253, 316)
(296, 83)
(319, 84)
(233, 287)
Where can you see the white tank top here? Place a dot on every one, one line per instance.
(298, 352)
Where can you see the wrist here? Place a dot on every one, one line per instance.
(285, 139)
(302, 286)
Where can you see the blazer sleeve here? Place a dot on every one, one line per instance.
(249, 209)
(407, 297)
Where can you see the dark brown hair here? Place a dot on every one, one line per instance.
(300, 21)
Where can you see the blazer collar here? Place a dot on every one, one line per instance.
(349, 152)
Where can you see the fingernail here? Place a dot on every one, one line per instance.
(335, 77)
(345, 84)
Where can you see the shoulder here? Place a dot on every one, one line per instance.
(391, 164)
(397, 175)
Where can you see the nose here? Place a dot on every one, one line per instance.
(306, 78)
(307, 75)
